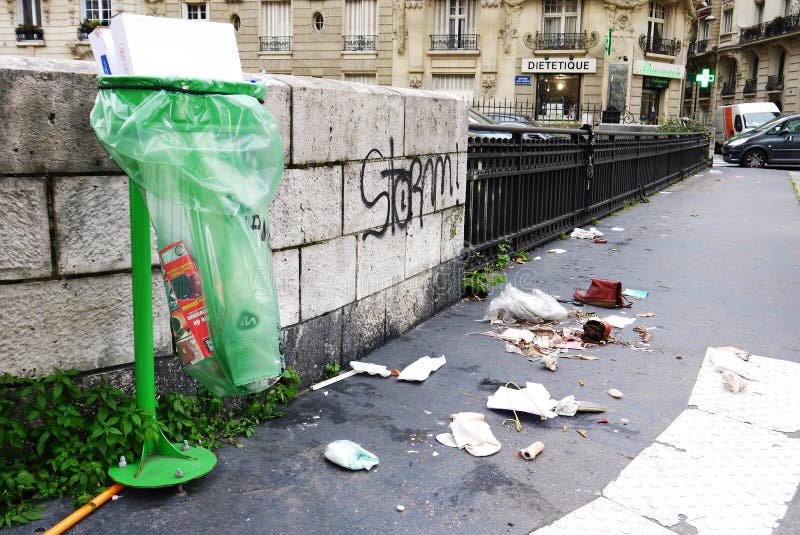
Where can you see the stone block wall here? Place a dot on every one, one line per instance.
(366, 226)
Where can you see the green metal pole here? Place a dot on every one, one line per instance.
(141, 277)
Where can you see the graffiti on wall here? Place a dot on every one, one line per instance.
(405, 187)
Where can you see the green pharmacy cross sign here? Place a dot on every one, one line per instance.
(704, 78)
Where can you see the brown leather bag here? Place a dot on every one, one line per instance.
(603, 293)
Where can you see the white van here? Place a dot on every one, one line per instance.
(736, 119)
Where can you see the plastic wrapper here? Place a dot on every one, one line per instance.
(208, 158)
(516, 304)
(350, 455)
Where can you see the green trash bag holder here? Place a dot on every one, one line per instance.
(162, 463)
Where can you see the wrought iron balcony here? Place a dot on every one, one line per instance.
(775, 82)
(728, 88)
(465, 41)
(276, 44)
(657, 45)
(30, 34)
(698, 47)
(750, 86)
(772, 28)
(561, 41)
(358, 43)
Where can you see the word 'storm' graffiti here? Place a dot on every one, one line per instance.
(403, 184)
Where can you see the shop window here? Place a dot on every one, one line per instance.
(560, 16)
(558, 97)
(277, 24)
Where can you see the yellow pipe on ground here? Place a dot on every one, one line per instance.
(79, 514)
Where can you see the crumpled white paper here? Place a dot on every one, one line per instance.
(619, 322)
(582, 234)
(533, 399)
(472, 433)
(421, 369)
(515, 335)
(726, 360)
(372, 369)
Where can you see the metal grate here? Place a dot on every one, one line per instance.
(276, 44)
(357, 43)
(657, 45)
(750, 86)
(772, 28)
(775, 82)
(464, 41)
(560, 41)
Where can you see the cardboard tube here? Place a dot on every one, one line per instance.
(531, 451)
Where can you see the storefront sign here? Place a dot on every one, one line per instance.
(657, 68)
(522, 80)
(655, 82)
(559, 65)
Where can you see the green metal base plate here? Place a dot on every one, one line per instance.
(159, 470)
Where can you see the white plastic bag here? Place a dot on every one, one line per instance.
(516, 304)
(350, 455)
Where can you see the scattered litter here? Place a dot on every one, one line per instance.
(603, 293)
(115, 497)
(596, 330)
(636, 294)
(624, 421)
(514, 303)
(531, 451)
(516, 336)
(619, 322)
(617, 229)
(420, 369)
(726, 360)
(435, 454)
(582, 433)
(666, 192)
(372, 369)
(447, 439)
(600, 240)
(603, 421)
(614, 393)
(350, 455)
(714, 172)
(332, 380)
(511, 348)
(733, 382)
(537, 258)
(533, 399)
(472, 433)
(550, 362)
(569, 345)
(427, 412)
(557, 251)
(644, 333)
(412, 451)
(567, 406)
(582, 234)
(580, 382)
(401, 508)
(645, 315)
(580, 357)
(565, 428)
(590, 406)
(741, 353)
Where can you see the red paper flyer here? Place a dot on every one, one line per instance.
(186, 304)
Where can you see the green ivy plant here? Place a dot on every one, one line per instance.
(58, 439)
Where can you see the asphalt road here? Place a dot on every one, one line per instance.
(718, 253)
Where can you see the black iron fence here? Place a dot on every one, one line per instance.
(561, 41)
(527, 192)
(657, 45)
(728, 88)
(464, 41)
(356, 43)
(775, 82)
(523, 110)
(30, 34)
(750, 86)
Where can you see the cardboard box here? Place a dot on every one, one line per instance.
(103, 49)
(161, 46)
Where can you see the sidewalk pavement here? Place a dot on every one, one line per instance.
(717, 252)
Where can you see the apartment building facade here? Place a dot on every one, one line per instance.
(626, 55)
(753, 49)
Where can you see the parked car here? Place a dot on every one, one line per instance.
(774, 142)
(476, 119)
(508, 118)
(736, 119)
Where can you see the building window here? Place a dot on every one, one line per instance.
(31, 13)
(560, 16)
(727, 21)
(277, 24)
(786, 7)
(360, 25)
(656, 22)
(460, 85)
(706, 31)
(236, 21)
(455, 17)
(319, 21)
(195, 11)
(97, 10)
(557, 97)
(759, 13)
(362, 78)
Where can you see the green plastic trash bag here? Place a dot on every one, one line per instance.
(207, 156)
